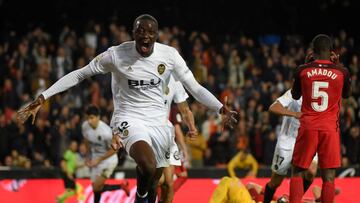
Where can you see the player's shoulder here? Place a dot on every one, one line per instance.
(85, 125)
(304, 66)
(343, 69)
(123, 47)
(105, 126)
(164, 49)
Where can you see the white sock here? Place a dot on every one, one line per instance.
(141, 196)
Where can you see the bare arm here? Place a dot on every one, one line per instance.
(279, 109)
(180, 140)
(95, 162)
(188, 118)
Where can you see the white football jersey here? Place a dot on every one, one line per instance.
(139, 83)
(175, 92)
(290, 125)
(99, 138)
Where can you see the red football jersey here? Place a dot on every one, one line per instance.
(321, 84)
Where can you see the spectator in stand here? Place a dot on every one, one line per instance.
(197, 150)
(243, 160)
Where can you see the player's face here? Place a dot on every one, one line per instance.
(145, 35)
(93, 120)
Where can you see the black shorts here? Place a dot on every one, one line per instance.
(68, 183)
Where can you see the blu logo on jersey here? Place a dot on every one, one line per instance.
(143, 84)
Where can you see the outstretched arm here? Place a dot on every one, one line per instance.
(101, 64)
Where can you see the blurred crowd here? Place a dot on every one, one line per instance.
(252, 71)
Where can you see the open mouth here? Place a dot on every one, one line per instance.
(145, 46)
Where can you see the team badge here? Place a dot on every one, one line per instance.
(125, 132)
(161, 68)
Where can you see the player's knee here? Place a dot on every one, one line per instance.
(183, 174)
(274, 183)
(328, 175)
(309, 176)
(97, 187)
(148, 168)
(328, 178)
(169, 183)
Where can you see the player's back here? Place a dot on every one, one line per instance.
(322, 85)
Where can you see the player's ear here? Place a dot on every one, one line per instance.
(133, 33)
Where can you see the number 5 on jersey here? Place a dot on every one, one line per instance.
(318, 92)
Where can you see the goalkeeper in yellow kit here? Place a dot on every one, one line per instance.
(231, 190)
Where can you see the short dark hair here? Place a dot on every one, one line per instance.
(93, 110)
(145, 17)
(322, 43)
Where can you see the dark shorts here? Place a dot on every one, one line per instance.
(68, 183)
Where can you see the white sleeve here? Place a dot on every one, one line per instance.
(108, 134)
(180, 94)
(285, 99)
(183, 73)
(100, 64)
